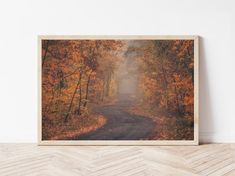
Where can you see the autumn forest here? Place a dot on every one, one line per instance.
(117, 89)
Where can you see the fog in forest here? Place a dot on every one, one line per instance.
(87, 84)
(127, 72)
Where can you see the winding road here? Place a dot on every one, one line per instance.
(120, 124)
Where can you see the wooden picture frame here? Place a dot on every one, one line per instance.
(195, 78)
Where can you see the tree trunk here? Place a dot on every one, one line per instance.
(45, 54)
(177, 99)
(165, 82)
(71, 102)
(80, 98)
(103, 91)
(108, 85)
(48, 108)
(191, 70)
(87, 89)
(192, 74)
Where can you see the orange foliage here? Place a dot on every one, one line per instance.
(76, 74)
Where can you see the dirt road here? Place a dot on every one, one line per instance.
(120, 125)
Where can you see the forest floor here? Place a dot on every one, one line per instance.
(123, 119)
(120, 125)
(75, 126)
(167, 126)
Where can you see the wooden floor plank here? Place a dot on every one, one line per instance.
(32, 160)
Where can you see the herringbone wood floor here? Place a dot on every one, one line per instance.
(30, 159)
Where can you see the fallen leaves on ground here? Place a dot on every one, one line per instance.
(167, 127)
(75, 127)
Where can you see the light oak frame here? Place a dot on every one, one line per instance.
(123, 142)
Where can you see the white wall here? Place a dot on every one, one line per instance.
(21, 22)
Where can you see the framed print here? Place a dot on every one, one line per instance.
(118, 90)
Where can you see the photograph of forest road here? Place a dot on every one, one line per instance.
(117, 89)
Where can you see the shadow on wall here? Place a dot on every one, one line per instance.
(206, 121)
